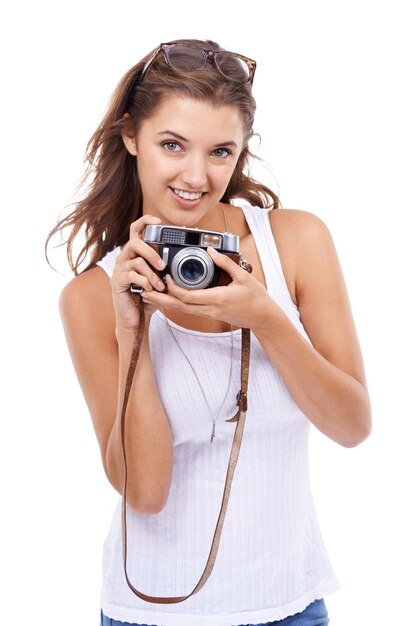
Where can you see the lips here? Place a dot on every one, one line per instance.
(188, 195)
(187, 199)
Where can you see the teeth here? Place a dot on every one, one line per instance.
(186, 195)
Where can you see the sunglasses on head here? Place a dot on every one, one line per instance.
(189, 57)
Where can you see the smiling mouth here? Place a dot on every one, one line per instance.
(187, 195)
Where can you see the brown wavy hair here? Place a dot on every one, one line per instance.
(113, 198)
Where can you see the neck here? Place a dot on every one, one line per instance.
(216, 220)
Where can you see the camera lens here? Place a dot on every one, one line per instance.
(192, 270)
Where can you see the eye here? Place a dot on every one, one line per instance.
(171, 146)
(222, 152)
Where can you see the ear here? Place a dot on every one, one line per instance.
(129, 139)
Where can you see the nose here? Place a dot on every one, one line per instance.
(194, 174)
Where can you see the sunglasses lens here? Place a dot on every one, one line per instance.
(232, 67)
(185, 58)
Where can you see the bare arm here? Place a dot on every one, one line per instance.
(327, 380)
(100, 344)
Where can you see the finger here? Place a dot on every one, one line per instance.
(141, 266)
(225, 263)
(175, 289)
(137, 228)
(167, 301)
(188, 296)
(149, 280)
(138, 248)
(122, 281)
(136, 281)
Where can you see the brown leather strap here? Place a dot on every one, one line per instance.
(236, 445)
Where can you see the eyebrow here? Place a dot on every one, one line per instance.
(177, 136)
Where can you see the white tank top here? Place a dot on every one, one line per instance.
(271, 561)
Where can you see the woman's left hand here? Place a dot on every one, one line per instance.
(242, 303)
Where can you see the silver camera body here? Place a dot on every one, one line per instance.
(184, 250)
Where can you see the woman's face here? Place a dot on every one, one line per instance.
(186, 154)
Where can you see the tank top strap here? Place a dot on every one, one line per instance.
(107, 263)
(258, 221)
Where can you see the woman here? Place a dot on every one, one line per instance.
(172, 149)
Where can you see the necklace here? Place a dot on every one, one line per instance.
(214, 419)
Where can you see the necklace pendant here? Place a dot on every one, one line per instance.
(213, 433)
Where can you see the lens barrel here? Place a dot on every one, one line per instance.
(192, 268)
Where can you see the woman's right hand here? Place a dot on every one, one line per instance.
(134, 266)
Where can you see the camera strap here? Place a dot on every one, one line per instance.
(239, 418)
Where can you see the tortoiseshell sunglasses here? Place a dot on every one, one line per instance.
(188, 57)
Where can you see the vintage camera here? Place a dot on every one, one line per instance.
(184, 251)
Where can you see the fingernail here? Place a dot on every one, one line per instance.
(160, 285)
(161, 264)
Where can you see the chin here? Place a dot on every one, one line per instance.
(186, 218)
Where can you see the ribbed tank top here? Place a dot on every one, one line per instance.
(271, 561)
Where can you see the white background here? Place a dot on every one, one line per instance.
(337, 112)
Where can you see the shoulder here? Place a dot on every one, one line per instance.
(300, 236)
(320, 289)
(87, 299)
(83, 287)
(298, 224)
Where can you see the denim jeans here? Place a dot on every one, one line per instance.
(314, 615)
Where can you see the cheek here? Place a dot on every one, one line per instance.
(227, 173)
(153, 170)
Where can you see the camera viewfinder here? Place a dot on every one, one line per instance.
(211, 240)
